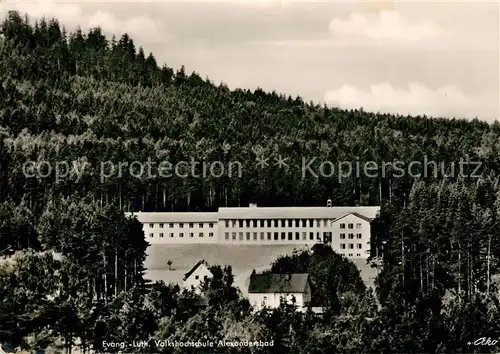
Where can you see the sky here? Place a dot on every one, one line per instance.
(435, 58)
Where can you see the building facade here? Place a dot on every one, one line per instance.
(346, 229)
(196, 277)
(270, 290)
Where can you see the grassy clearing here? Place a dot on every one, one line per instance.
(242, 259)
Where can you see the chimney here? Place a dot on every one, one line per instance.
(329, 203)
(252, 205)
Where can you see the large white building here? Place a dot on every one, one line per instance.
(347, 229)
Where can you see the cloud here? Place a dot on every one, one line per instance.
(384, 26)
(137, 27)
(416, 99)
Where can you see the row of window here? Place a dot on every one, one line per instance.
(350, 236)
(254, 235)
(351, 246)
(274, 236)
(181, 234)
(262, 223)
(181, 225)
(351, 226)
(284, 223)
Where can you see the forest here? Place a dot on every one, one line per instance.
(72, 272)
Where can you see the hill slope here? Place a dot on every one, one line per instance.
(82, 97)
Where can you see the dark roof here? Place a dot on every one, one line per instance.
(7, 348)
(188, 274)
(278, 283)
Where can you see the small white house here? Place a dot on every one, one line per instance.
(269, 290)
(196, 276)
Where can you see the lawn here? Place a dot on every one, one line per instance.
(242, 259)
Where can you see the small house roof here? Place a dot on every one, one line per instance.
(278, 283)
